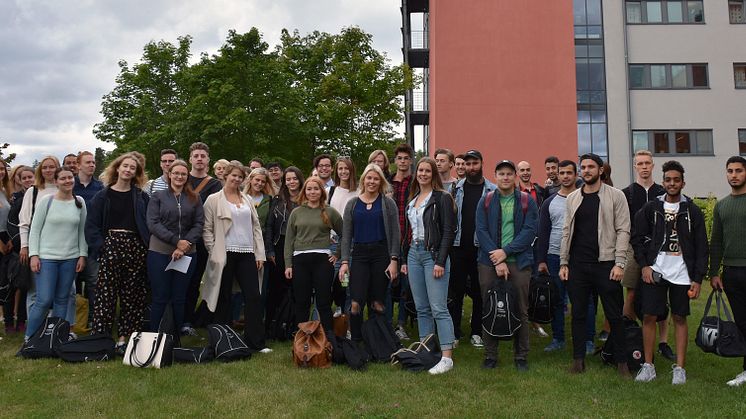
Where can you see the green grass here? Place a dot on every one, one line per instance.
(270, 386)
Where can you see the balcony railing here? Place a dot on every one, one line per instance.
(418, 101)
(419, 40)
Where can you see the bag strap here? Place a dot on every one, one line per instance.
(487, 201)
(720, 301)
(202, 184)
(331, 193)
(524, 203)
(34, 195)
(709, 303)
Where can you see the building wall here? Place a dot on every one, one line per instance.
(721, 107)
(502, 80)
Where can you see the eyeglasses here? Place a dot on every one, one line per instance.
(325, 166)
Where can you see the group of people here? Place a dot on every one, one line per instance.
(419, 234)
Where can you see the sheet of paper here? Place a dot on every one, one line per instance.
(181, 265)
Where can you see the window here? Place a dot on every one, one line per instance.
(666, 11)
(673, 142)
(739, 73)
(742, 141)
(737, 11)
(669, 76)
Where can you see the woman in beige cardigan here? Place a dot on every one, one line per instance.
(233, 237)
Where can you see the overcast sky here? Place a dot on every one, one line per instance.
(59, 57)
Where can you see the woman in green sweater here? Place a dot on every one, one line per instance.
(57, 247)
(308, 260)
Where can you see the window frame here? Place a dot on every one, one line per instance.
(743, 12)
(643, 7)
(696, 136)
(735, 78)
(741, 140)
(647, 76)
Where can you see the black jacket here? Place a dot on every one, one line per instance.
(97, 221)
(650, 231)
(439, 217)
(277, 222)
(637, 197)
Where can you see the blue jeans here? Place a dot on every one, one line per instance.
(558, 321)
(53, 283)
(430, 296)
(167, 287)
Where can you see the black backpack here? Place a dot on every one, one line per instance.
(46, 341)
(634, 352)
(19, 275)
(380, 340)
(420, 356)
(282, 325)
(194, 355)
(542, 299)
(98, 347)
(227, 344)
(5, 286)
(500, 314)
(345, 351)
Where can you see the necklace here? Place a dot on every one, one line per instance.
(368, 205)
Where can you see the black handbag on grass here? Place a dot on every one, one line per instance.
(717, 335)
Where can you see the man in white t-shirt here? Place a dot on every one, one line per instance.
(670, 244)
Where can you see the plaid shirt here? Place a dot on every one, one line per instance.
(401, 192)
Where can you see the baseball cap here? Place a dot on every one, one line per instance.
(591, 156)
(473, 154)
(503, 163)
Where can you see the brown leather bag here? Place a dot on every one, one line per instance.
(340, 326)
(311, 349)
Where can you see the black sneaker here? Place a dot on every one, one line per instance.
(120, 348)
(665, 350)
(521, 365)
(603, 336)
(489, 364)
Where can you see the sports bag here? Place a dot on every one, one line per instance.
(419, 356)
(717, 335)
(634, 349)
(380, 340)
(542, 299)
(149, 350)
(193, 355)
(46, 341)
(310, 346)
(227, 344)
(98, 347)
(500, 314)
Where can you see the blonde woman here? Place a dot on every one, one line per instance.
(233, 238)
(219, 169)
(371, 223)
(117, 233)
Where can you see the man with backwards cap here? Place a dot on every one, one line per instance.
(593, 254)
(464, 273)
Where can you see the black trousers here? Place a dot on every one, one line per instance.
(465, 281)
(368, 281)
(585, 280)
(312, 276)
(242, 268)
(278, 286)
(190, 304)
(734, 283)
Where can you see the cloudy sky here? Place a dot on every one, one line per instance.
(59, 57)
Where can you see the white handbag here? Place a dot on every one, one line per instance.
(149, 350)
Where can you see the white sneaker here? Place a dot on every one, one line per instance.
(265, 351)
(476, 341)
(72, 336)
(740, 379)
(338, 312)
(444, 365)
(679, 375)
(646, 373)
(541, 332)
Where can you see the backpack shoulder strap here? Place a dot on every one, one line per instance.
(202, 184)
(524, 203)
(331, 193)
(34, 195)
(488, 200)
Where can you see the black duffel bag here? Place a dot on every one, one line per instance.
(717, 335)
(46, 341)
(226, 344)
(98, 347)
(194, 355)
(419, 356)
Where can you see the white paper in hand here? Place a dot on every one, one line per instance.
(181, 265)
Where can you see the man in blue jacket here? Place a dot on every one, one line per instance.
(506, 222)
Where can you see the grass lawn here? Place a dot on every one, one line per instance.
(270, 386)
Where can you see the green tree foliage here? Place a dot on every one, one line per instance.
(311, 94)
(7, 158)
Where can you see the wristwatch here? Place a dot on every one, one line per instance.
(621, 265)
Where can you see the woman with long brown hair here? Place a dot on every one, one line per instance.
(117, 233)
(308, 261)
(15, 306)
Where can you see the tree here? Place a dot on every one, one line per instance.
(10, 157)
(143, 110)
(321, 92)
(100, 156)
